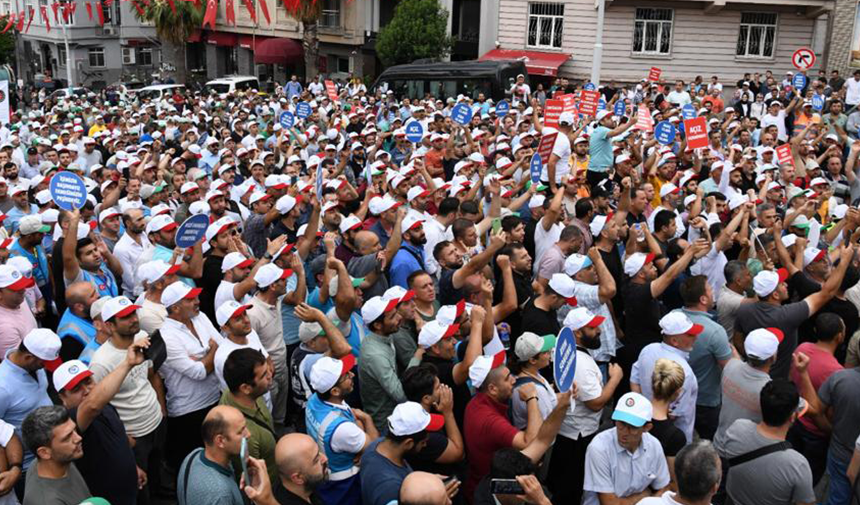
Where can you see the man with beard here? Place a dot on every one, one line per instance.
(344, 431)
(161, 231)
(454, 273)
(129, 247)
(89, 260)
(410, 256)
(302, 468)
(567, 464)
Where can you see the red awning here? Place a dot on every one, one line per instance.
(537, 62)
(195, 36)
(250, 42)
(222, 39)
(278, 51)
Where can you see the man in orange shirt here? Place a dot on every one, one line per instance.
(715, 100)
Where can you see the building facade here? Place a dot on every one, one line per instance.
(122, 49)
(843, 46)
(683, 38)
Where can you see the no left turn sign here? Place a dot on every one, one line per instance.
(803, 58)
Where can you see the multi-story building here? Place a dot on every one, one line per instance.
(122, 49)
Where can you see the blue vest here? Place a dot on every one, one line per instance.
(105, 283)
(322, 419)
(73, 326)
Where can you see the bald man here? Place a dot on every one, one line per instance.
(206, 476)
(302, 466)
(76, 329)
(422, 488)
(374, 258)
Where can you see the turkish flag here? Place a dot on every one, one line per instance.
(100, 12)
(211, 13)
(10, 20)
(251, 10)
(89, 10)
(55, 7)
(265, 8)
(44, 11)
(32, 15)
(172, 5)
(230, 11)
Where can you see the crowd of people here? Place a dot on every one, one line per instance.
(371, 317)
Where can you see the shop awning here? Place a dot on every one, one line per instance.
(195, 36)
(537, 62)
(250, 42)
(280, 51)
(222, 39)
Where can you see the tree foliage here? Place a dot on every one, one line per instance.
(174, 28)
(308, 13)
(418, 30)
(7, 43)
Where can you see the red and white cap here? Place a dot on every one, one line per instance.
(45, 345)
(152, 271)
(677, 323)
(159, 210)
(818, 180)
(70, 374)
(410, 222)
(350, 222)
(11, 278)
(416, 192)
(580, 317)
(287, 203)
(270, 273)
(766, 281)
(212, 193)
(330, 205)
(410, 418)
(763, 342)
(564, 286)
(598, 223)
(636, 261)
(374, 308)
(326, 372)
(378, 205)
(813, 254)
(669, 189)
(119, 306)
(228, 310)
(178, 291)
(434, 331)
(219, 226)
(258, 196)
(160, 223)
(449, 314)
(398, 293)
(188, 187)
(286, 248)
(108, 213)
(235, 260)
(275, 181)
(482, 365)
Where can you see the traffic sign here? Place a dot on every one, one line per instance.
(461, 113)
(798, 81)
(192, 230)
(665, 133)
(303, 110)
(68, 191)
(287, 119)
(564, 359)
(414, 131)
(803, 58)
(503, 108)
(535, 168)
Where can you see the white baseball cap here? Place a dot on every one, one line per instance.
(677, 323)
(378, 205)
(228, 310)
(309, 331)
(575, 263)
(536, 201)
(813, 254)
(789, 240)
(667, 189)
(326, 371)
(482, 365)
(566, 118)
(602, 114)
(376, 307)
(118, 306)
(152, 271)
(108, 213)
(178, 291)
(598, 223)
(581, 317)
(270, 273)
(564, 286)
(763, 342)
(160, 223)
(188, 187)
(410, 418)
(45, 345)
(286, 203)
(636, 261)
(11, 278)
(398, 293)
(410, 222)
(766, 281)
(434, 331)
(32, 224)
(350, 222)
(531, 344)
(214, 229)
(449, 314)
(633, 409)
(235, 260)
(416, 192)
(70, 374)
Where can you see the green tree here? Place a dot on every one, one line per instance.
(173, 28)
(418, 30)
(308, 13)
(7, 43)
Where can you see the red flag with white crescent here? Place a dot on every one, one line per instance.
(44, 11)
(32, 15)
(211, 13)
(230, 12)
(56, 7)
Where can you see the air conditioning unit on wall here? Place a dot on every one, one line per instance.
(109, 30)
(128, 56)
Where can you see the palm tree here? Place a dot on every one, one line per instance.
(174, 24)
(308, 13)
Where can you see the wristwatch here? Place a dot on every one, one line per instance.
(267, 257)
(532, 398)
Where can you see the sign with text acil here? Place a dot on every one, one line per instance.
(696, 131)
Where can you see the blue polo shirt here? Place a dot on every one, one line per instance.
(404, 263)
(21, 394)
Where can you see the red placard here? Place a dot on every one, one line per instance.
(331, 89)
(654, 74)
(783, 154)
(696, 131)
(547, 141)
(569, 102)
(645, 123)
(551, 111)
(589, 100)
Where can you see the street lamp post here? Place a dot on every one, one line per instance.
(69, 58)
(597, 57)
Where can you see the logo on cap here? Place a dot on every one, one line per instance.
(15, 274)
(73, 369)
(630, 402)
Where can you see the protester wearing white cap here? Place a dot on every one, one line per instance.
(192, 386)
(130, 247)
(342, 430)
(89, 260)
(381, 390)
(641, 452)
(540, 313)
(235, 326)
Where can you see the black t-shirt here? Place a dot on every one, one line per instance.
(643, 315)
(539, 321)
(210, 281)
(425, 460)
(523, 285)
(801, 285)
(445, 373)
(108, 465)
(448, 294)
(278, 229)
(671, 438)
(285, 497)
(612, 260)
(529, 240)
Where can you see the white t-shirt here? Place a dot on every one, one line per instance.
(561, 148)
(779, 121)
(579, 419)
(348, 437)
(544, 239)
(225, 294)
(679, 97)
(852, 92)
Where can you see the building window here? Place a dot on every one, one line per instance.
(652, 31)
(757, 35)
(343, 65)
(5, 7)
(330, 14)
(64, 14)
(144, 57)
(62, 58)
(546, 21)
(97, 57)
